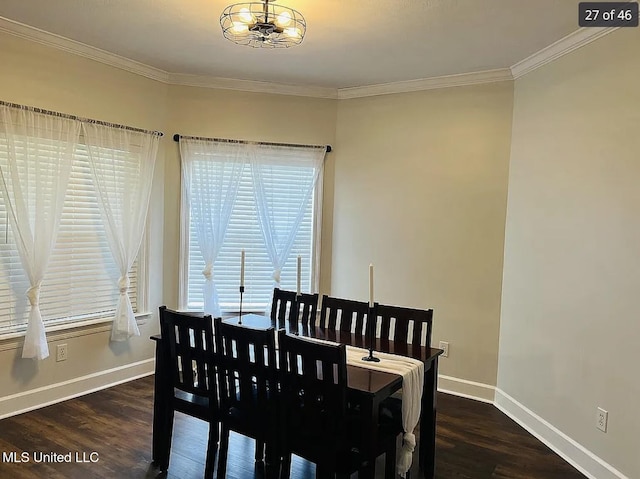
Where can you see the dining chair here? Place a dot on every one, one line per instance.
(193, 391)
(352, 314)
(316, 423)
(290, 310)
(247, 380)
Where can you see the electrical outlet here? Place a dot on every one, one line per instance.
(61, 352)
(445, 347)
(602, 418)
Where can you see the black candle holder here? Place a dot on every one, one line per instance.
(240, 315)
(372, 318)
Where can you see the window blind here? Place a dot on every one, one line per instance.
(80, 281)
(244, 232)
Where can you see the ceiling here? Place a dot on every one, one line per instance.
(349, 43)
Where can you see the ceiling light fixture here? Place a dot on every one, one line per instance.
(263, 25)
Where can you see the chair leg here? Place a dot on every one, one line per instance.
(272, 470)
(285, 470)
(259, 450)
(166, 442)
(224, 449)
(272, 459)
(212, 448)
(367, 471)
(323, 473)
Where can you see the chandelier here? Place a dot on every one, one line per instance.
(263, 25)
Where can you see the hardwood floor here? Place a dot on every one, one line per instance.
(475, 441)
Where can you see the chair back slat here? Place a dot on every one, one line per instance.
(419, 319)
(385, 326)
(360, 320)
(350, 311)
(186, 353)
(191, 348)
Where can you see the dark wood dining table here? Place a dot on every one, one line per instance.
(366, 386)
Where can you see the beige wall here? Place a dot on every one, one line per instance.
(420, 192)
(32, 74)
(569, 327)
(249, 116)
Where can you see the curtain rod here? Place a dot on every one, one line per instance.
(79, 118)
(177, 137)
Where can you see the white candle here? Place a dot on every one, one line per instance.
(242, 269)
(299, 273)
(371, 285)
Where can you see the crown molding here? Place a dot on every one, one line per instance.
(448, 81)
(565, 45)
(33, 34)
(204, 81)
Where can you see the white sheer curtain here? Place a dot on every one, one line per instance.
(122, 163)
(279, 231)
(40, 151)
(211, 173)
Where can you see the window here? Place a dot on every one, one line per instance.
(80, 281)
(284, 191)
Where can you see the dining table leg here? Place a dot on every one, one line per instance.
(427, 446)
(370, 419)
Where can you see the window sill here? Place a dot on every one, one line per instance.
(75, 329)
(228, 313)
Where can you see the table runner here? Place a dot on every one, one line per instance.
(412, 372)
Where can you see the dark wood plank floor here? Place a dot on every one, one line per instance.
(475, 441)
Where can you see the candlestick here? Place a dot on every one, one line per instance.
(242, 269)
(372, 318)
(370, 286)
(240, 314)
(299, 274)
(241, 284)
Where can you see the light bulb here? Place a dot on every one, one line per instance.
(245, 15)
(283, 19)
(240, 27)
(292, 32)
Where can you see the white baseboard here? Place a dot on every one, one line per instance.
(54, 393)
(466, 389)
(571, 451)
